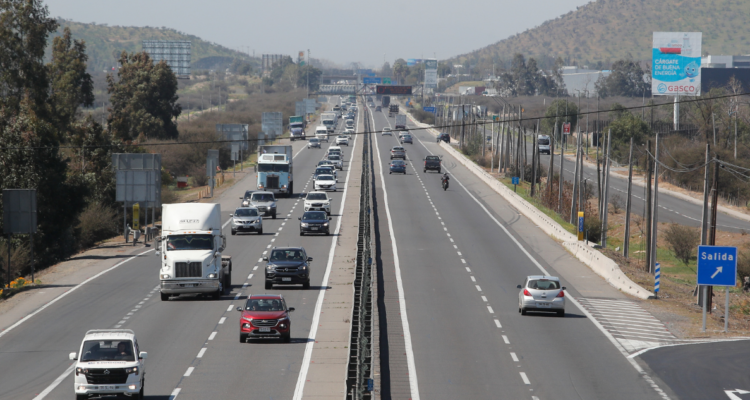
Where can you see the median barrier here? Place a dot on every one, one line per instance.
(594, 259)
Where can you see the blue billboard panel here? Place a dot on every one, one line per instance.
(371, 81)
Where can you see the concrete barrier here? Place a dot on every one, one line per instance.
(594, 259)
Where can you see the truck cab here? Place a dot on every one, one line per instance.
(274, 169)
(189, 251)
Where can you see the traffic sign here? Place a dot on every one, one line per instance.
(717, 265)
(393, 89)
(386, 81)
(371, 80)
(515, 180)
(566, 128)
(429, 109)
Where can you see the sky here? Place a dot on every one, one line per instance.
(340, 31)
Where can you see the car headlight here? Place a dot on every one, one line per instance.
(248, 319)
(326, 224)
(165, 276)
(80, 370)
(211, 276)
(245, 204)
(132, 370)
(271, 268)
(304, 224)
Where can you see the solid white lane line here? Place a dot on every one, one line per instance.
(302, 377)
(408, 349)
(73, 289)
(230, 307)
(514, 357)
(221, 321)
(55, 383)
(189, 371)
(505, 339)
(497, 322)
(202, 352)
(212, 336)
(525, 378)
(174, 394)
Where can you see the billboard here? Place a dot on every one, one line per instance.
(272, 124)
(430, 73)
(676, 63)
(393, 89)
(176, 53)
(19, 211)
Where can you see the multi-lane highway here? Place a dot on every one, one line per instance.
(192, 342)
(457, 256)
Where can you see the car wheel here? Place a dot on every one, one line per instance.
(561, 314)
(260, 232)
(301, 233)
(140, 394)
(389, 172)
(424, 172)
(306, 285)
(523, 311)
(273, 216)
(269, 285)
(234, 233)
(228, 283)
(82, 396)
(328, 233)
(287, 338)
(164, 297)
(243, 337)
(217, 294)
(440, 171)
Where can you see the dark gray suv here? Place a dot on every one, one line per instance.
(288, 266)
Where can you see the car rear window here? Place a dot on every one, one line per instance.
(541, 284)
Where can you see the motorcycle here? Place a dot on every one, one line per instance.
(445, 184)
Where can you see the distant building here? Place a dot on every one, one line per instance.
(717, 71)
(581, 79)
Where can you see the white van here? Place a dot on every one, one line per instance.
(350, 123)
(321, 132)
(335, 149)
(543, 144)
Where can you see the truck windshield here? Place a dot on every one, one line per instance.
(543, 141)
(273, 168)
(296, 126)
(106, 350)
(190, 242)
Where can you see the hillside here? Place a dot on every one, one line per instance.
(105, 43)
(608, 30)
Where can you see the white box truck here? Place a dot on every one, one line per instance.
(189, 251)
(329, 121)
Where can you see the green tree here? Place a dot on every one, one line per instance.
(70, 85)
(560, 108)
(444, 69)
(626, 79)
(314, 75)
(144, 99)
(31, 160)
(625, 126)
(400, 70)
(525, 78)
(24, 27)
(386, 70)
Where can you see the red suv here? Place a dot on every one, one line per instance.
(265, 316)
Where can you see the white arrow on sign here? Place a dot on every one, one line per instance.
(733, 396)
(718, 269)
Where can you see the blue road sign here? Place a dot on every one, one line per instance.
(429, 109)
(515, 180)
(657, 277)
(371, 80)
(717, 266)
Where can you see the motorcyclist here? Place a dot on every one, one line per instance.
(444, 179)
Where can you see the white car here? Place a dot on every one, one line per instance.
(335, 159)
(348, 132)
(541, 293)
(325, 182)
(318, 201)
(321, 133)
(387, 131)
(109, 362)
(313, 142)
(342, 139)
(335, 149)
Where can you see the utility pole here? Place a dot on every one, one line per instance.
(533, 166)
(551, 168)
(704, 217)
(713, 124)
(712, 240)
(574, 197)
(655, 208)
(607, 164)
(649, 172)
(561, 180)
(628, 202)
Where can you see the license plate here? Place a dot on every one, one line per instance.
(543, 305)
(286, 279)
(107, 387)
(315, 229)
(264, 329)
(189, 285)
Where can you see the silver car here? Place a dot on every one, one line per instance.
(541, 293)
(246, 219)
(265, 202)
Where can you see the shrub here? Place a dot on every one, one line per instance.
(423, 116)
(617, 203)
(682, 240)
(19, 260)
(168, 196)
(97, 222)
(198, 175)
(743, 265)
(593, 225)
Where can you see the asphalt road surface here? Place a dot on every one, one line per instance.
(458, 270)
(192, 341)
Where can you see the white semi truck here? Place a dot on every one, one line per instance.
(189, 251)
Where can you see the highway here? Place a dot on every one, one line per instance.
(671, 209)
(457, 256)
(192, 342)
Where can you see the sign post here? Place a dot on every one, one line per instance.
(717, 266)
(580, 225)
(657, 278)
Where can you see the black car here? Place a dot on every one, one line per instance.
(288, 266)
(444, 137)
(377, 108)
(314, 222)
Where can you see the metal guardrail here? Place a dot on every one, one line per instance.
(359, 380)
